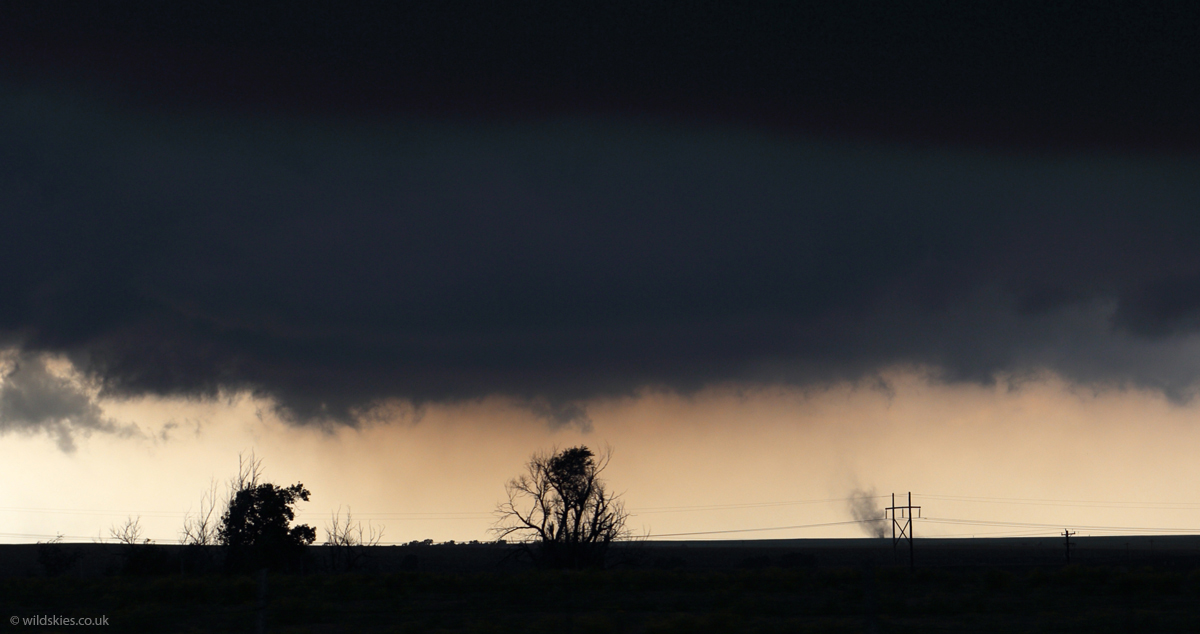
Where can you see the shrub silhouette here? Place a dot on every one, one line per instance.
(140, 555)
(57, 558)
(349, 544)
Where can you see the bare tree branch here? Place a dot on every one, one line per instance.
(201, 529)
(129, 533)
(560, 510)
(349, 541)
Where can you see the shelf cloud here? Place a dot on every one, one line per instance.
(331, 266)
(394, 233)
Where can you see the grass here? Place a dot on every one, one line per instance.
(1070, 599)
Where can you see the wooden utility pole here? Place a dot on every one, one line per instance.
(904, 524)
(1067, 536)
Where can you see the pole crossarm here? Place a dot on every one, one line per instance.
(1067, 536)
(902, 524)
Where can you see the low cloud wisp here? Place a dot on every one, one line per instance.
(33, 398)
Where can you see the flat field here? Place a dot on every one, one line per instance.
(763, 592)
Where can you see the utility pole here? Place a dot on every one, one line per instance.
(904, 524)
(1067, 536)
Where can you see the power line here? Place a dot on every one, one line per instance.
(20, 509)
(435, 515)
(47, 536)
(1076, 503)
(754, 530)
(1016, 533)
(313, 515)
(1146, 529)
(446, 515)
(719, 507)
(1022, 528)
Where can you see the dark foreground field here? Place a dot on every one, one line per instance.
(773, 588)
(1071, 599)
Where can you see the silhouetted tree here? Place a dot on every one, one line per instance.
(199, 532)
(201, 528)
(256, 526)
(561, 511)
(129, 533)
(349, 543)
(140, 556)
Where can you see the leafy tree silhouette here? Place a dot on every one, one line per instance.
(561, 510)
(256, 526)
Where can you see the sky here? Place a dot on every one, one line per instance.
(776, 256)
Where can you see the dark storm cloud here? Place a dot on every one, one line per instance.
(330, 265)
(337, 209)
(1012, 73)
(34, 399)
